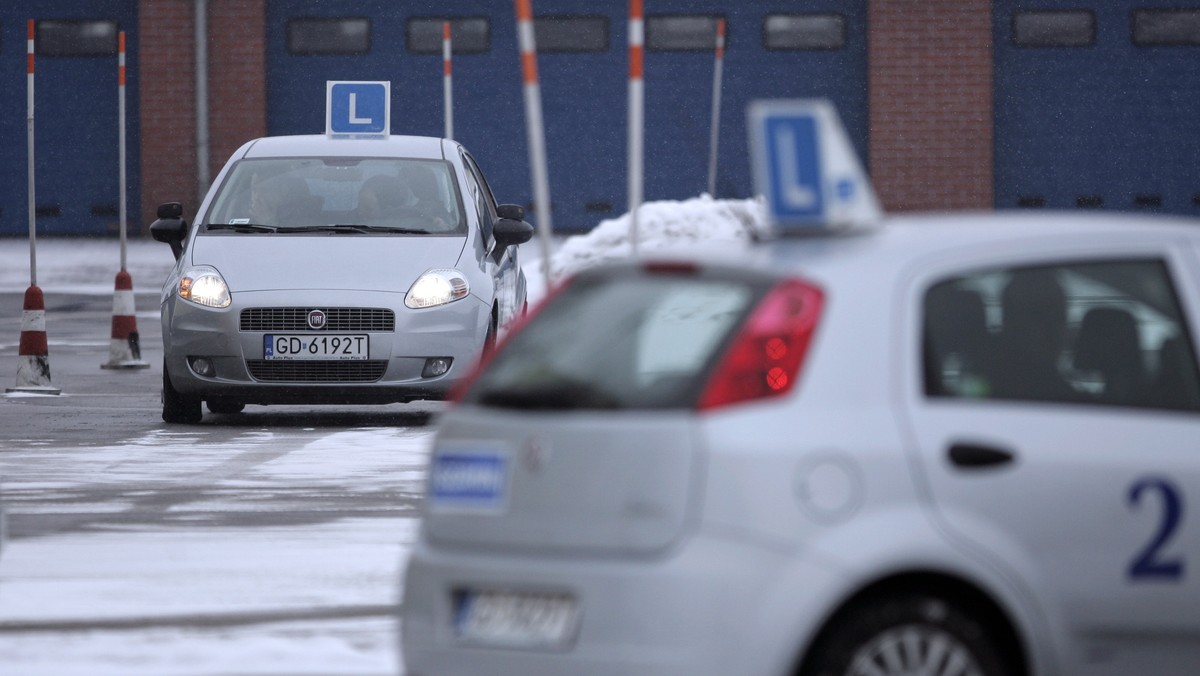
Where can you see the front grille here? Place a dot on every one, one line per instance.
(361, 319)
(287, 371)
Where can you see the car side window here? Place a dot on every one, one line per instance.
(484, 202)
(1103, 332)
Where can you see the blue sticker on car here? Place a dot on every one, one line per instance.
(469, 479)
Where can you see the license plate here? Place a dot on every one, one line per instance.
(284, 346)
(517, 619)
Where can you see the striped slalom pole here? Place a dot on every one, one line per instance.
(33, 353)
(121, 135)
(29, 142)
(124, 351)
(636, 117)
(534, 130)
(448, 92)
(714, 131)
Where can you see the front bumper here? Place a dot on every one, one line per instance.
(397, 358)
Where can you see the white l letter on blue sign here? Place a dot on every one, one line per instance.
(806, 169)
(358, 108)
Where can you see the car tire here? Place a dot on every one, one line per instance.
(225, 406)
(178, 408)
(899, 635)
(489, 340)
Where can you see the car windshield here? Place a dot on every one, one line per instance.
(630, 342)
(310, 194)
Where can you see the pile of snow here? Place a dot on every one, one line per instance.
(699, 222)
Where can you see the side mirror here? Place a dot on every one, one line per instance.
(170, 227)
(509, 232)
(513, 212)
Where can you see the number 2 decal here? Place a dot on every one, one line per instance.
(1151, 562)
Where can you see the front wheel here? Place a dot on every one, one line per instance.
(906, 634)
(176, 407)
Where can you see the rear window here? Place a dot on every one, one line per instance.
(629, 341)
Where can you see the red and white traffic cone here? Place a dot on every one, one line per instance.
(124, 351)
(33, 365)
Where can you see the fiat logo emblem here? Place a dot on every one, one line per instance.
(316, 319)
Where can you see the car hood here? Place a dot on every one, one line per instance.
(320, 261)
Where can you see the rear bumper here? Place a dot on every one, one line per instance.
(708, 608)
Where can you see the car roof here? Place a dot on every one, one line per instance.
(900, 240)
(318, 145)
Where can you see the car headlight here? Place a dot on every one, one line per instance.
(437, 287)
(204, 286)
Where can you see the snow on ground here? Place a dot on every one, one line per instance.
(128, 574)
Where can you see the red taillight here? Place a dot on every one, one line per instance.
(765, 356)
(456, 393)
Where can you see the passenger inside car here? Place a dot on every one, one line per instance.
(1108, 344)
(380, 198)
(428, 197)
(280, 200)
(1032, 339)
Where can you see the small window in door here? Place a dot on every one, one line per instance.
(1105, 333)
(77, 38)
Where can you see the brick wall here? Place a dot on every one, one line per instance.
(167, 85)
(930, 79)
(237, 88)
(166, 90)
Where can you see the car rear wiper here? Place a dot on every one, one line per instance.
(241, 227)
(559, 396)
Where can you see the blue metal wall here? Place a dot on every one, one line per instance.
(76, 131)
(584, 94)
(1112, 125)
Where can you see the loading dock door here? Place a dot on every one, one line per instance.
(1096, 106)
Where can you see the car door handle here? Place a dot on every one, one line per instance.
(971, 455)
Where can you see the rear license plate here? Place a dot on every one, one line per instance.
(517, 619)
(284, 346)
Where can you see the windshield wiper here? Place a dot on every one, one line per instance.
(359, 228)
(241, 227)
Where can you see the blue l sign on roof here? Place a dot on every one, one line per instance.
(806, 169)
(793, 158)
(358, 108)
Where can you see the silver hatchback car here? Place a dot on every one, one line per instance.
(954, 445)
(336, 270)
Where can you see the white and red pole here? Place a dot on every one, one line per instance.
(714, 133)
(636, 117)
(448, 92)
(29, 143)
(535, 130)
(124, 349)
(121, 137)
(33, 353)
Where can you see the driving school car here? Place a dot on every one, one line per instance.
(943, 444)
(336, 270)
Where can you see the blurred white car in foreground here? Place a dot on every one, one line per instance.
(948, 445)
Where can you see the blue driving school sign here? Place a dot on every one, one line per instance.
(358, 108)
(806, 168)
